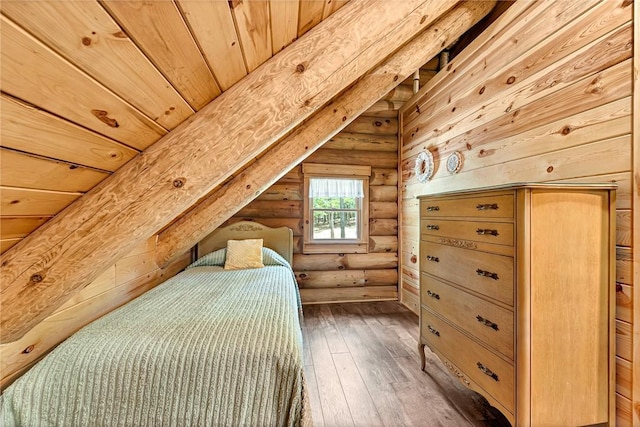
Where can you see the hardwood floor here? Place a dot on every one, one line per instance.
(363, 369)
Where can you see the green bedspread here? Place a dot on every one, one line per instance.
(205, 348)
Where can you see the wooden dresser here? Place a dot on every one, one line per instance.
(517, 297)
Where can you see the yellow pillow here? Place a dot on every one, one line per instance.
(244, 254)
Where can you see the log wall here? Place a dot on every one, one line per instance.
(544, 94)
(128, 278)
(372, 140)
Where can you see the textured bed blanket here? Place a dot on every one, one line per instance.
(202, 349)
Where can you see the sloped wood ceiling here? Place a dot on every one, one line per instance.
(87, 85)
(103, 81)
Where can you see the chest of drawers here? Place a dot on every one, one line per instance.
(517, 297)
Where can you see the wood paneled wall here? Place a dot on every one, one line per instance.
(128, 278)
(369, 140)
(544, 94)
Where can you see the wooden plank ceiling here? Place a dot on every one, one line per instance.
(88, 85)
(179, 165)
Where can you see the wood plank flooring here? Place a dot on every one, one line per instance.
(363, 369)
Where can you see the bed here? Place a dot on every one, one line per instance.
(208, 347)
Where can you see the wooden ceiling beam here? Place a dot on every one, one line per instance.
(325, 124)
(45, 269)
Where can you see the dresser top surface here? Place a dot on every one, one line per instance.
(529, 185)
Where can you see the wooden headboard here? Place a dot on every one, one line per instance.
(279, 239)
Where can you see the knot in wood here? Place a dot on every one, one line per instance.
(29, 349)
(510, 80)
(86, 41)
(482, 89)
(179, 183)
(414, 259)
(103, 117)
(566, 130)
(300, 68)
(302, 275)
(36, 278)
(550, 169)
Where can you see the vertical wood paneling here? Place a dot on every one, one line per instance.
(158, 28)
(547, 109)
(311, 12)
(253, 25)
(212, 25)
(86, 35)
(284, 23)
(332, 6)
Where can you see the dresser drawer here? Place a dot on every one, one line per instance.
(488, 274)
(494, 374)
(499, 233)
(484, 320)
(498, 206)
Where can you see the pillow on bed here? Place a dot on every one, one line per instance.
(218, 257)
(243, 254)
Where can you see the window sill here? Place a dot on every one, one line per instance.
(335, 248)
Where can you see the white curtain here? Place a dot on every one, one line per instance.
(335, 187)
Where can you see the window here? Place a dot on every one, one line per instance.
(336, 208)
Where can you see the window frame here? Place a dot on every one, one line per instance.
(315, 246)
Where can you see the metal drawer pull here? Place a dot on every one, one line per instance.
(433, 294)
(433, 258)
(485, 273)
(433, 208)
(484, 232)
(488, 371)
(433, 227)
(487, 322)
(433, 330)
(493, 206)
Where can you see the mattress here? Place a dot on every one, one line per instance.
(208, 347)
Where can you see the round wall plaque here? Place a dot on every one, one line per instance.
(454, 162)
(424, 166)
